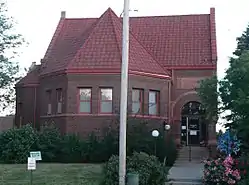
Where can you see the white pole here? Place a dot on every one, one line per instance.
(123, 99)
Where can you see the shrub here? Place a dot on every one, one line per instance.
(72, 149)
(150, 170)
(109, 144)
(139, 139)
(169, 151)
(16, 143)
(49, 143)
(221, 171)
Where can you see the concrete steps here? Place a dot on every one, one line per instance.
(185, 172)
(195, 153)
(184, 182)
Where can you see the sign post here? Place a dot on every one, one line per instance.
(34, 156)
(31, 167)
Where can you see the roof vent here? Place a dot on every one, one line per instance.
(63, 14)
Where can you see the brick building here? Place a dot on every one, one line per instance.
(77, 84)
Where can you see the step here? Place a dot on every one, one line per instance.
(182, 183)
(185, 181)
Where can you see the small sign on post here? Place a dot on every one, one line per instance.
(31, 167)
(36, 155)
(31, 163)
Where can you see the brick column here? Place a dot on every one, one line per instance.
(177, 132)
(212, 140)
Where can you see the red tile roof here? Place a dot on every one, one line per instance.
(175, 40)
(157, 44)
(102, 50)
(32, 77)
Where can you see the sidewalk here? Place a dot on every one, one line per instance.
(185, 172)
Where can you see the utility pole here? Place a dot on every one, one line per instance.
(123, 99)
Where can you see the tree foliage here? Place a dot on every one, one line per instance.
(209, 96)
(233, 91)
(9, 42)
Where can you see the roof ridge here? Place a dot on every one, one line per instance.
(131, 34)
(87, 40)
(180, 15)
(116, 35)
(54, 38)
(166, 71)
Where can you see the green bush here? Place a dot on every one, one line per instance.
(109, 144)
(72, 149)
(139, 139)
(49, 143)
(15, 144)
(150, 170)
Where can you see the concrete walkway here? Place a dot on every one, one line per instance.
(189, 173)
(185, 172)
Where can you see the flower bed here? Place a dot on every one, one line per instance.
(229, 168)
(219, 171)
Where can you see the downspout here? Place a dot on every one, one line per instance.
(169, 102)
(34, 124)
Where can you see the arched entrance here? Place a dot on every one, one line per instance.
(193, 127)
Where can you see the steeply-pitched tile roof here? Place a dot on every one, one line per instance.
(175, 40)
(102, 50)
(156, 44)
(32, 77)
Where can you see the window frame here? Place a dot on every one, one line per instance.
(79, 100)
(49, 101)
(59, 100)
(141, 101)
(100, 100)
(157, 98)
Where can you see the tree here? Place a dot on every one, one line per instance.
(242, 43)
(235, 96)
(9, 69)
(208, 94)
(233, 91)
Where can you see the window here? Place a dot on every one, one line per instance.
(137, 101)
(106, 100)
(19, 113)
(59, 100)
(153, 103)
(49, 100)
(85, 97)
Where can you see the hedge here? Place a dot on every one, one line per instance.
(16, 143)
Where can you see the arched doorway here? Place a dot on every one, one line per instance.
(193, 127)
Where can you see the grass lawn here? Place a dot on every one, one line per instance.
(51, 174)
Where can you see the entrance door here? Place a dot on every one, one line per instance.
(191, 124)
(193, 131)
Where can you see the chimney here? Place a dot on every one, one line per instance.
(63, 14)
(213, 36)
(32, 66)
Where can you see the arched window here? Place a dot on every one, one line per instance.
(193, 108)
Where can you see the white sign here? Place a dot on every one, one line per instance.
(184, 127)
(193, 132)
(36, 155)
(31, 163)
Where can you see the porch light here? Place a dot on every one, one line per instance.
(155, 133)
(166, 126)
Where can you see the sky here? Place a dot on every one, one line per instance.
(37, 20)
